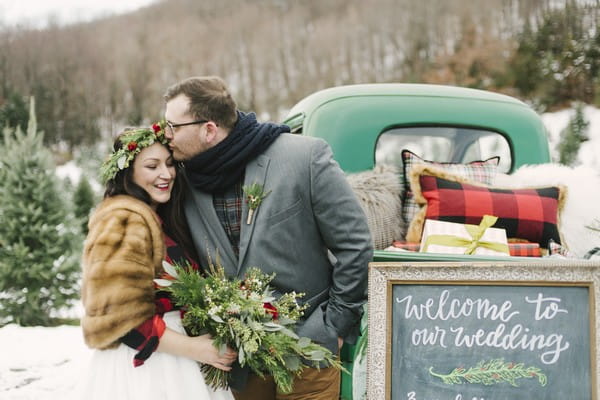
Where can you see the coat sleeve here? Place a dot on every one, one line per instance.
(145, 338)
(118, 272)
(343, 226)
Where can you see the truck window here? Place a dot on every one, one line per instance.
(443, 144)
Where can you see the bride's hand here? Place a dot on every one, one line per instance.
(199, 348)
(207, 353)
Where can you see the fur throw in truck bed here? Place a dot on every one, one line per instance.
(379, 192)
(123, 253)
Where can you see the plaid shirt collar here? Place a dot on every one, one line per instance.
(228, 206)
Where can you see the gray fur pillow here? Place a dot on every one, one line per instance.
(379, 192)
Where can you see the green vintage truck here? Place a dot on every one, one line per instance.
(370, 124)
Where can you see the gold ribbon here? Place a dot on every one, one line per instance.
(476, 232)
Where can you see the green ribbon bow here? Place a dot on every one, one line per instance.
(476, 232)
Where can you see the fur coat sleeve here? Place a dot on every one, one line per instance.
(122, 254)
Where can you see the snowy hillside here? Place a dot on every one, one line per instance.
(590, 150)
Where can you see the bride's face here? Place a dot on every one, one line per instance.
(154, 171)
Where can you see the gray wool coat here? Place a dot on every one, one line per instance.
(310, 231)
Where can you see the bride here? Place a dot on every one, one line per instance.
(141, 349)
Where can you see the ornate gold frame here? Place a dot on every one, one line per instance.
(383, 275)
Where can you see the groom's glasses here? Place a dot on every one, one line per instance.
(172, 126)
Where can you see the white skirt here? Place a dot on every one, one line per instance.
(112, 376)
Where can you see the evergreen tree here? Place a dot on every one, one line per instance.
(557, 59)
(524, 67)
(83, 201)
(13, 111)
(572, 137)
(38, 262)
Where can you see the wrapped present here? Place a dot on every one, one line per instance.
(524, 249)
(517, 249)
(454, 238)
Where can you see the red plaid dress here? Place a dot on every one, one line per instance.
(145, 337)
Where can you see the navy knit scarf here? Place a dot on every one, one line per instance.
(219, 167)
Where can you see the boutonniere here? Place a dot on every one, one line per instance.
(255, 194)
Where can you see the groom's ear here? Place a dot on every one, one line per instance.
(212, 132)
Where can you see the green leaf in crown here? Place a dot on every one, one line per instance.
(491, 373)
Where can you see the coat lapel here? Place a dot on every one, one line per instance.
(256, 172)
(204, 211)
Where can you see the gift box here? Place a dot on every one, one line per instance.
(455, 238)
(520, 249)
(525, 249)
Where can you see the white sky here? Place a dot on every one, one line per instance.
(36, 12)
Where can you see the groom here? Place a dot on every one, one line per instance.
(308, 227)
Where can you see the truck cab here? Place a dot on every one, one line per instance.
(370, 124)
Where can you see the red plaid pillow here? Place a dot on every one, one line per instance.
(529, 214)
(482, 171)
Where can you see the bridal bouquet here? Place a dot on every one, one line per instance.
(246, 316)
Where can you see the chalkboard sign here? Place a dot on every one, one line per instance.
(483, 332)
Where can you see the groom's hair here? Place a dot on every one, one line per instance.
(210, 99)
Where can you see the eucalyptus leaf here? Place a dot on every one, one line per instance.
(316, 355)
(271, 324)
(222, 349)
(292, 362)
(272, 327)
(304, 342)
(285, 321)
(216, 318)
(288, 332)
(241, 356)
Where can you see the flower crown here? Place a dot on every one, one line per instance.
(133, 142)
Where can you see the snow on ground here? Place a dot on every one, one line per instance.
(589, 151)
(44, 363)
(40, 363)
(71, 171)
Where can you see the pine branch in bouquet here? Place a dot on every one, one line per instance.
(246, 316)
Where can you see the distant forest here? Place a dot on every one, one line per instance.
(90, 79)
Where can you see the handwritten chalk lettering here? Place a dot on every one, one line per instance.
(550, 304)
(445, 308)
(428, 337)
(519, 337)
